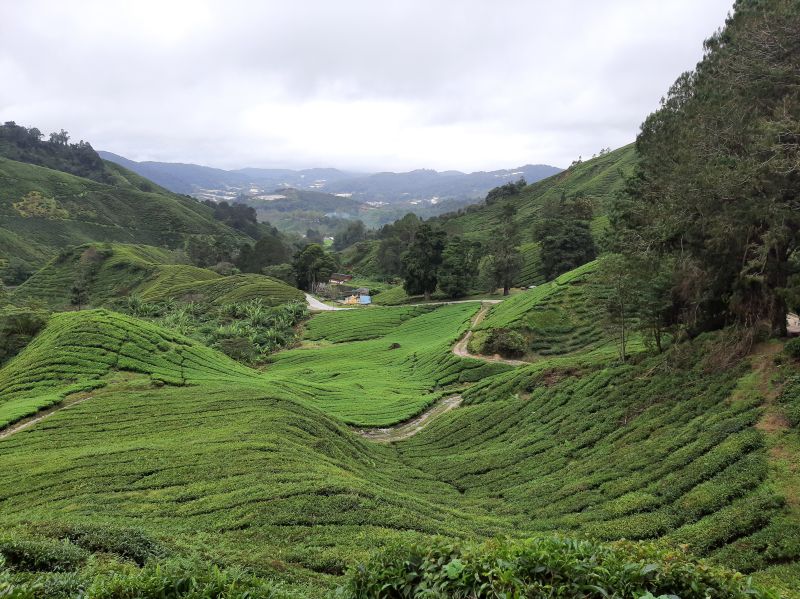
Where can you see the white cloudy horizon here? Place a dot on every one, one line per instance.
(356, 85)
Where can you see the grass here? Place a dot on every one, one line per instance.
(260, 470)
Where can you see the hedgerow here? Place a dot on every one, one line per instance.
(542, 567)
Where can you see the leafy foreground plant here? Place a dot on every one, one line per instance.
(543, 567)
(174, 579)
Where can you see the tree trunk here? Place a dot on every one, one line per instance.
(777, 280)
(427, 296)
(506, 289)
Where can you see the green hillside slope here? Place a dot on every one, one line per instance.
(598, 179)
(44, 210)
(122, 270)
(188, 445)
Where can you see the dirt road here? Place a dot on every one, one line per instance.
(37, 418)
(460, 348)
(410, 428)
(317, 306)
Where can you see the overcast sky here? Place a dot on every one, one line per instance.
(361, 85)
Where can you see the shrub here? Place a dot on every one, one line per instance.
(41, 555)
(546, 567)
(505, 342)
(792, 348)
(125, 542)
(17, 329)
(238, 348)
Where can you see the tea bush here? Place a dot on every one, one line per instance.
(543, 567)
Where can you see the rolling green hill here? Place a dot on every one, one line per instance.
(598, 179)
(123, 270)
(185, 445)
(43, 211)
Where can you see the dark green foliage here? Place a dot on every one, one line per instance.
(389, 257)
(422, 260)
(41, 555)
(173, 579)
(281, 272)
(125, 542)
(17, 329)
(353, 233)
(205, 251)
(313, 265)
(505, 258)
(542, 567)
(792, 348)
(26, 145)
(564, 235)
(237, 216)
(790, 397)
(246, 331)
(270, 250)
(717, 181)
(458, 273)
(504, 191)
(504, 342)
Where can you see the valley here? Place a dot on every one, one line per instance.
(276, 383)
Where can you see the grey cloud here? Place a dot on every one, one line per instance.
(354, 84)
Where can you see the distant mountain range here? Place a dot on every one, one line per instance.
(423, 184)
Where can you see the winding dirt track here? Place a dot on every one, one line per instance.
(39, 416)
(410, 428)
(461, 348)
(413, 426)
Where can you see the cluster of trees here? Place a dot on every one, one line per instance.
(504, 191)
(564, 235)
(237, 216)
(28, 145)
(710, 223)
(456, 265)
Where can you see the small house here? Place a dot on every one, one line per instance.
(338, 278)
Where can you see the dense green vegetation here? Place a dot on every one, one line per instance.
(122, 270)
(670, 450)
(543, 567)
(726, 226)
(644, 440)
(44, 210)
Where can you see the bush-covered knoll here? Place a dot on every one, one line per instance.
(44, 210)
(116, 270)
(561, 317)
(78, 349)
(121, 270)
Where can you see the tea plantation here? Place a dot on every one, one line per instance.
(573, 476)
(121, 270)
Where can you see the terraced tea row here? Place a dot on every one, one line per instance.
(379, 382)
(120, 270)
(78, 349)
(361, 324)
